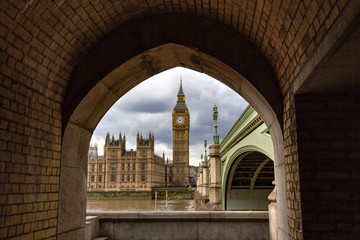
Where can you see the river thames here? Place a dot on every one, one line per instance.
(139, 205)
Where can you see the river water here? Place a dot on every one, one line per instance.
(139, 205)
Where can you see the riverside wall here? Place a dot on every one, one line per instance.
(141, 195)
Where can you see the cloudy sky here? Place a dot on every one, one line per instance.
(148, 107)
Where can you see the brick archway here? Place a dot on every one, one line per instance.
(143, 34)
(116, 83)
(43, 43)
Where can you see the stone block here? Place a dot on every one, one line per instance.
(72, 201)
(92, 229)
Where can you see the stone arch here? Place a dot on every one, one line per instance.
(109, 72)
(205, 35)
(106, 92)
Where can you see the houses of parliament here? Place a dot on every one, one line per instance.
(141, 169)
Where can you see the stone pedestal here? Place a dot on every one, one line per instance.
(205, 179)
(215, 171)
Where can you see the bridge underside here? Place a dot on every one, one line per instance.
(250, 182)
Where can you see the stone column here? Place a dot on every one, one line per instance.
(215, 171)
(205, 179)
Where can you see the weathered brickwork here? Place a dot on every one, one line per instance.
(42, 41)
(293, 190)
(329, 164)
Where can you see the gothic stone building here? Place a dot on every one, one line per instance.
(120, 169)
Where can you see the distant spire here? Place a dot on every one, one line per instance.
(181, 92)
(180, 103)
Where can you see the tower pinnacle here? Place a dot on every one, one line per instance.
(181, 92)
(180, 102)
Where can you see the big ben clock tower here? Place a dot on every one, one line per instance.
(181, 127)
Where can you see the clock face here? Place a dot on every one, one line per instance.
(180, 120)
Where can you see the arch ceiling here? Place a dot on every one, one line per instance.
(143, 39)
(51, 38)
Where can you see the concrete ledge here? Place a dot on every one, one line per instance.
(176, 225)
(202, 216)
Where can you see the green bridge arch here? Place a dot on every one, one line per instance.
(249, 134)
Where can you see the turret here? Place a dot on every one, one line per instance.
(107, 139)
(113, 140)
(122, 142)
(141, 141)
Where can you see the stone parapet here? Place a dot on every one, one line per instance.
(183, 225)
(237, 216)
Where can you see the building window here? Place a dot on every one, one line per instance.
(128, 178)
(100, 167)
(113, 166)
(122, 178)
(170, 179)
(143, 177)
(128, 166)
(100, 178)
(93, 167)
(143, 166)
(123, 166)
(133, 177)
(113, 154)
(92, 178)
(112, 177)
(133, 166)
